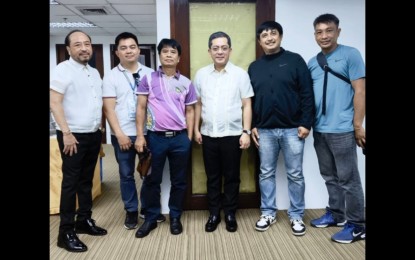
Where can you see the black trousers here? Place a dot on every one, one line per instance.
(222, 157)
(78, 172)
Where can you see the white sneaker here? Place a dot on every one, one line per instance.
(264, 222)
(298, 227)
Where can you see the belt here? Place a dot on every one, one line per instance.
(169, 133)
(88, 133)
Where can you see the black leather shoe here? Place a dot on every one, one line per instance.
(231, 224)
(145, 229)
(175, 226)
(70, 241)
(212, 223)
(88, 226)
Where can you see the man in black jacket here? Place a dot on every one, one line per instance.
(283, 112)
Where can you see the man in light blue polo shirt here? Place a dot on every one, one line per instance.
(338, 127)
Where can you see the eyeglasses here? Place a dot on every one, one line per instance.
(224, 48)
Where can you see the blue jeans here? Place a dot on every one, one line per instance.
(337, 159)
(126, 166)
(177, 150)
(271, 141)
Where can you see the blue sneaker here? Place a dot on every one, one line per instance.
(350, 234)
(326, 220)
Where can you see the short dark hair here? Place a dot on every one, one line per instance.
(67, 38)
(123, 36)
(171, 43)
(268, 25)
(219, 35)
(326, 18)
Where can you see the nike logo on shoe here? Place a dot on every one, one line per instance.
(356, 234)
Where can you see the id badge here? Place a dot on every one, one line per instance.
(132, 106)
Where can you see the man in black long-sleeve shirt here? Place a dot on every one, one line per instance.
(283, 112)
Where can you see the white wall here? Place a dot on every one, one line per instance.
(296, 18)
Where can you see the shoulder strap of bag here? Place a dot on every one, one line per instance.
(322, 61)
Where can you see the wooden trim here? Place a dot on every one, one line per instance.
(200, 202)
(180, 30)
(99, 65)
(99, 60)
(265, 10)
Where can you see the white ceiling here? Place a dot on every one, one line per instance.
(135, 16)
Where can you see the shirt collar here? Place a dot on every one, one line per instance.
(122, 69)
(77, 64)
(226, 69)
(160, 71)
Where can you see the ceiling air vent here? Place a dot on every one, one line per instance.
(93, 10)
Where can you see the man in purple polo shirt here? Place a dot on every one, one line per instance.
(166, 101)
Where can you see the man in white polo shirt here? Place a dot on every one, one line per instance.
(76, 105)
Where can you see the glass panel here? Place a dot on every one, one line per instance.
(236, 19)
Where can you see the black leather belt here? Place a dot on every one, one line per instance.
(169, 133)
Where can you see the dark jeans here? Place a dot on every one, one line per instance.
(337, 159)
(222, 158)
(177, 150)
(126, 167)
(78, 172)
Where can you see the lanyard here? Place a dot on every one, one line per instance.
(137, 80)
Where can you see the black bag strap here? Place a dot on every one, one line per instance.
(322, 61)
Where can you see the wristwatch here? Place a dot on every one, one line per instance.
(248, 132)
(67, 132)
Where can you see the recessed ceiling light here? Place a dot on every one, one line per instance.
(53, 2)
(72, 25)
